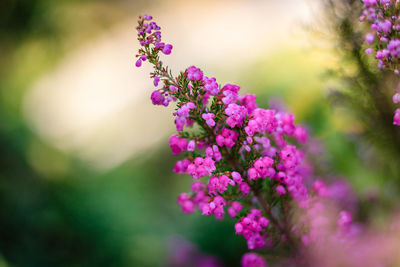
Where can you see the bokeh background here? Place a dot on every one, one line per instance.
(85, 169)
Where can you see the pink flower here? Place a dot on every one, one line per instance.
(396, 98)
(209, 118)
(253, 174)
(369, 3)
(345, 218)
(237, 177)
(181, 166)
(290, 157)
(213, 153)
(191, 146)
(194, 74)
(167, 49)
(321, 188)
(251, 227)
(396, 118)
(244, 188)
(369, 38)
(156, 80)
(230, 92)
(253, 260)
(186, 203)
(219, 185)
(215, 207)
(157, 98)
(238, 228)
(227, 138)
(201, 167)
(236, 114)
(173, 88)
(177, 144)
(264, 121)
(211, 85)
(285, 122)
(261, 168)
(300, 134)
(280, 190)
(182, 115)
(249, 102)
(224, 181)
(235, 208)
(213, 184)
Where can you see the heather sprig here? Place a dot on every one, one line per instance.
(384, 17)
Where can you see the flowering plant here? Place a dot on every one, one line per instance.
(244, 160)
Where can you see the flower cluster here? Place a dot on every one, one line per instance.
(244, 159)
(385, 26)
(226, 138)
(252, 227)
(201, 167)
(383, 15)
